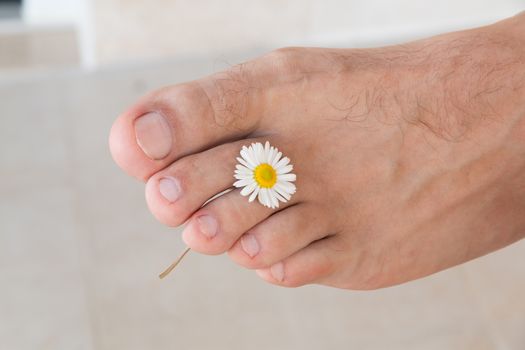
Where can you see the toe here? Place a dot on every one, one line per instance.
(314, 264)
(180, 120)
(281, 235)
(175, 193)
(178, 191)
(214, 228)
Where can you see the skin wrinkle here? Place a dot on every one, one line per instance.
(462, 126)
(359, 116)
(375, 98)
(347, 115)
(353, 101)
(424, 110)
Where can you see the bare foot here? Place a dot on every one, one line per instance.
(409, 159)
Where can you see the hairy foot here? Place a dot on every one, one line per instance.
(409, 159)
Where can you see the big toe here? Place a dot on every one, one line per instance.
(184, 119)
(177, 121)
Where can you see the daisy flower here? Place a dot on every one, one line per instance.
(264, 174)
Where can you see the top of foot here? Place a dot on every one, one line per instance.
(396, 152)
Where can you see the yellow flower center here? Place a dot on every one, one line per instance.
(265, 175)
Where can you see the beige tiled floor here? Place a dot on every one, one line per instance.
(79, 253)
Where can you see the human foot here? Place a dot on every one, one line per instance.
(409, 159)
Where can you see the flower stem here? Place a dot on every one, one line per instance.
(174, 264)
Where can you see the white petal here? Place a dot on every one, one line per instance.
(253, 154)
(269, 196)
(271, 155)
(273, 197)
(287, 186)
(276, 201)
(278, 195)
(254, 194)
(248, 189)
(263, 152)
(251, 150)
(245, 153)
(287, 177)
(267, 199)
(264, 197)
(266, 151)
(282, 162)
(243, 169)
(248, 173)
(242, 183)
(259, 152)
(284, 169)
(240, 175)
(243, 176)
(276, 159)
(270, 199)
(244, 162)
(281, 191)
(285, 189)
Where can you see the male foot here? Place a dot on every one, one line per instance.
(409, 159)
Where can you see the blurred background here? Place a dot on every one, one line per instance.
(79, 251)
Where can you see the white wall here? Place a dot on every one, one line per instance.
(114, 31)
(384, 21)
(77, 13)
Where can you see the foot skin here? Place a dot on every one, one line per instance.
(409, 159)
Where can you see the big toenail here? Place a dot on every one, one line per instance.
(277, 271)
(250, 245)
(153, 135)
(169, 188)
(207, 225)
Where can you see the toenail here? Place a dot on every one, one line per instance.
(277, 271)
(207, 225)
(153, 135)
(250, 245)
(169, 188)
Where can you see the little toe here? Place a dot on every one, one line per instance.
(281, 235)
(316, 263)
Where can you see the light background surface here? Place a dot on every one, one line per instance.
(79, 251)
